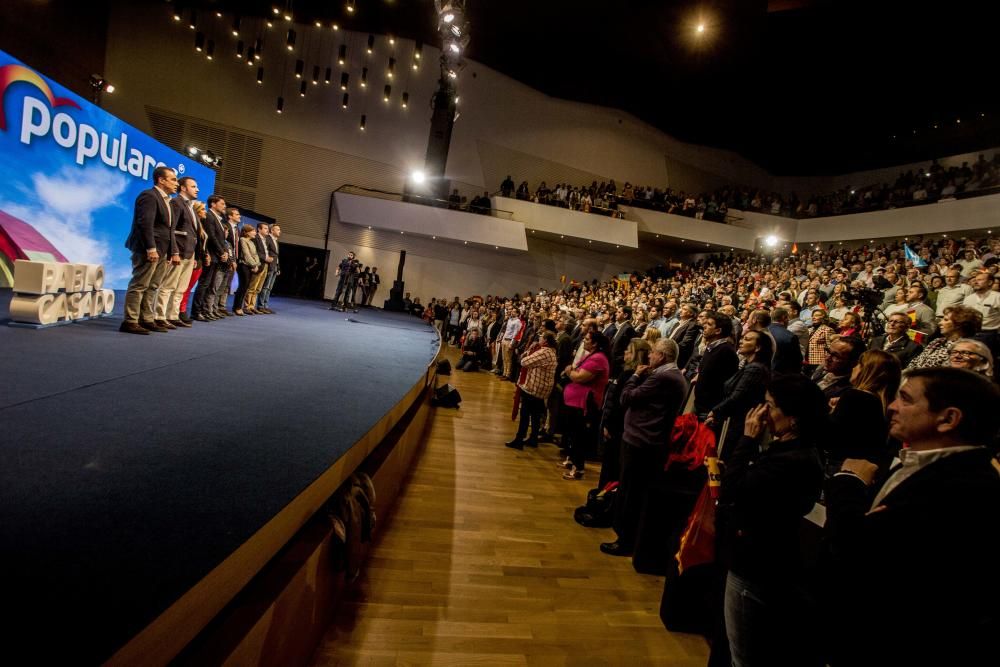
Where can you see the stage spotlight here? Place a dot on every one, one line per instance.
(700, 29)
(454, 47)
(302, 89)
(206, 158)
(199, 42)
(346, 97)
(771, 241)
(344, 78)
(448, 17)
(342, 54)
(418, 177)
(290, 40)
(260, 75)
(299, 68)
(192, 151)
(406, 99)
(281, 104)
(386, 93)
(363, 119)
(210, 49)
(371, 43)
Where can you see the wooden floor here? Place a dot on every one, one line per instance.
(482, 563)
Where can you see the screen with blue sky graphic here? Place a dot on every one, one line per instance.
(71, 172)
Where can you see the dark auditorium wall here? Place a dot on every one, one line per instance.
(65, 40)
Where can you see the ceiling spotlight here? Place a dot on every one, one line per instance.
(771, 241)
(371, 43)
(700, 29)
(364, 77)
(392, 40)
(315, 74)
(363, 119)
(344, 103)
(452, 74)
(258, 47)
(329, 75)
(406, 99)
(418, 177)
(218, 15)
(319, 24)
(236, 26)
(275, 10)
(302, 89)
(416, 65)
(270, 23)
(344, 78)
(350, 6)
(210, 49)
(239, 50)
(335, 27)
(250, 60)
(417, 49)
(199, 42)
(342, 54)
(386, 93)
(192, 151)
(194, 20)
(391, 68)
(455, 30)
(281, 104)
(290, 40)
(260, 75)
(299, 68)
(177, 14)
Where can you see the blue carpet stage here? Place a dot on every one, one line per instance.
(133, 465)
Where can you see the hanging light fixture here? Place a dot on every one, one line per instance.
(371, 43)
(281, 104)
(258, 48)
(418, 50)
(210, 49)
(364, 77)
(300, 67)
(193, 23)
(342, 54)
(290, 40)
(260, 75)
(250, 60)
(350, 6)
(363, 119)
(239, 50)
(386, 93)
(406, 99)
(236, 26)
(329, 75)
(315, 78)
(199, 41)
(346, 97)
(344, 78)
(392, 67)
(302, 89)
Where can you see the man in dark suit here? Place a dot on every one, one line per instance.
(624, 333)
(273, 269)
(895, 341)
(718, 363)
(154, 250)
(685, 334)
(842, 355)
(919, 552)
(232, 239)
(373, 282)
(215, 261)
(186, 228)
(787, 350)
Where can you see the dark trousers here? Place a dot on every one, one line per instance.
(638, 471)
(611, 460)
(225, 285)
(206, 294)
(575, 437)
(345, 288)
(769, 623)
(532, 409)
(246, 276)
(468, 364)
(265, 293)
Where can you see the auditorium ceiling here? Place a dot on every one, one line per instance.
(802, 87)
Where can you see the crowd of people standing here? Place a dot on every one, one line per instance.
(185, 254)
(885, 440)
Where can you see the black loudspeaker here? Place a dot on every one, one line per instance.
(444, 367)
(446, 396)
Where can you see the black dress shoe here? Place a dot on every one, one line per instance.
(515, 444)
(615, 549)
(179, 324)
(153, 326)
(133, 328)
(531, 442)
(202, 318)
(184, 317)
(222, 313)
(165, 324)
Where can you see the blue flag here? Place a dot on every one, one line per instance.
(913, 257)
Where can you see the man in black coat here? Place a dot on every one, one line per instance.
(273, 269)
(154, 250)
(919, 553)
(215, 258)
(787, 350)
(718, 363)
(624, 333)
(895, 341)
(685, 334)
(842, 355)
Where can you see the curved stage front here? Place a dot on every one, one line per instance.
(152, 474)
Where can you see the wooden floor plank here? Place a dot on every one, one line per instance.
(482, 563)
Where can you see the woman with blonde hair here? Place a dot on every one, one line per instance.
(651, 335)
(201, 259)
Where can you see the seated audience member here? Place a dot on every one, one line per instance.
(587, 380)
(744, 390)
(613, 413)
(958, 322)
(539, 365)
(895, 340)
(787, 348)
(858, 421)
(473, 351)
(763, 497)
(652, 397)
(921, 547)
(973, 355)
(248, 267)
(834, 376)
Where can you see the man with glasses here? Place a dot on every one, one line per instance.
(895, 341)
(973, 355)
(842, 355)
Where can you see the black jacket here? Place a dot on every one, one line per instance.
(924, 561)
(651, 405)
(152, 225)
(787, 352)
(215, 236)
(185, 227)
(718, 364)
(858, 429)
(903, 348)
(763, 497)
(685, 334)
(623, 336)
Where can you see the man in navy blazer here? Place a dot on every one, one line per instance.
(154, 250)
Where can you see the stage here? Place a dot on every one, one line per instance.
(134, 465)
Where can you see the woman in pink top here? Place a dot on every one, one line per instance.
(587, 379)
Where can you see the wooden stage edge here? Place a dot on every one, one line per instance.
(202, 622)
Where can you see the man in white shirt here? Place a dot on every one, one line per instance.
(970, 263)
(986, 301)
(920, 313)
(953, 293)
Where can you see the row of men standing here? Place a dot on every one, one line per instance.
(179, 246)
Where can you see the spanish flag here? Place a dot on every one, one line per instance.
(795, 248)
(562, 278)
